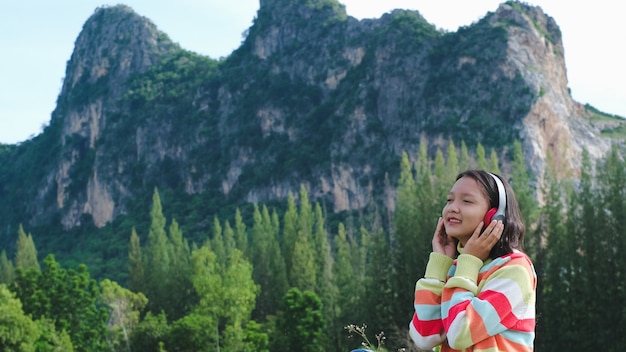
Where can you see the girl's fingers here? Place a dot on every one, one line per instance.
(439, 223)
(480, 243)
(477, 230)
(439, 231)
(493, 227)
(437, 236)
(494, 231)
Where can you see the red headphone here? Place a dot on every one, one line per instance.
(497, 213)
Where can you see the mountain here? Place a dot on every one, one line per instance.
(312, 97)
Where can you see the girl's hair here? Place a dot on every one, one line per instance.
(514, 229)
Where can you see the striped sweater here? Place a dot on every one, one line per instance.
(468, 305)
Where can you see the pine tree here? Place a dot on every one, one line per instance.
(494, 164)
(179, 249)
(412, 243)
(208, 284)
(135, 264)
(325, 288)
(464, 161)
(241, 234)
(323, 253)
(207, 280)
(429, 205)
(305, 218)
(302, 271)
(7, 270)
(605, 246)
(559, 277)
(217, 242)
(240, 293)
(405, 223)
(274, 222)
(481, 160)
(360, 256)
(379, 291)
(227, 295)
(303, 268)
(158, 260)
(259, 254)
(162, 269)
(26, 253)
(525, 194)
(229, 239)
(268, 263)
(343, 273)
(587, 226)
(290, 233)
(279, 284)
(442, 176)
(181, 293)
(452, 164)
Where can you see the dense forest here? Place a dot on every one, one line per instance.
(286, 279)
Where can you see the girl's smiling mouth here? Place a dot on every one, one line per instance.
(452, 220)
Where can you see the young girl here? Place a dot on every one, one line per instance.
(484, 298)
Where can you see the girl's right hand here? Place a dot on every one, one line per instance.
(479, 245)
(442, 243)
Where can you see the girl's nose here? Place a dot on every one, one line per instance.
(452, 207)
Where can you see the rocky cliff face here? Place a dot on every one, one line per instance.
(114, 44)
(555, 124)
(313, 97)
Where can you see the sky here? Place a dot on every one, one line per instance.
(37, 39)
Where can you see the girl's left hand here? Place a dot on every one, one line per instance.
(479, 245)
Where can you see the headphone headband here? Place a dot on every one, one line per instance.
(500, 213)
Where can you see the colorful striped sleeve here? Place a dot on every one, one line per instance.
(482, 301)
(426, 327)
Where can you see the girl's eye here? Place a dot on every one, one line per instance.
(467, 201)
(448, 200)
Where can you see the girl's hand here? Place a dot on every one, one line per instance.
(442, 243)
(479, 245)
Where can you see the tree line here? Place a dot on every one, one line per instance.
(291, 282)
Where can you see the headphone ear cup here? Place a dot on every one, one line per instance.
(488, 216)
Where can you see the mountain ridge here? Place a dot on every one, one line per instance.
(312, 97)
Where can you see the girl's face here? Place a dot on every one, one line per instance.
(465, 208)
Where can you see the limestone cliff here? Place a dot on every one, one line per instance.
(313, 97)
(114, 44)
(555, 124)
